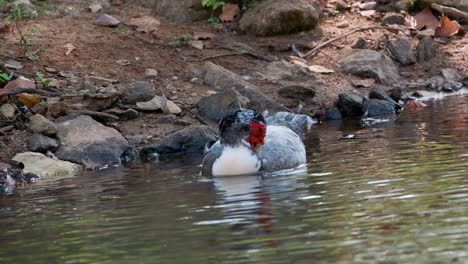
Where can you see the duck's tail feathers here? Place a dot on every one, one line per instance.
(296, 122)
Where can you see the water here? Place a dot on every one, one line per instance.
(395, 193)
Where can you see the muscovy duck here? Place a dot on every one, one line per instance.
(250, 143)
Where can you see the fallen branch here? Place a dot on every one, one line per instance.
(449, 11)
(315, 50)
(3, 130)
(93, 113)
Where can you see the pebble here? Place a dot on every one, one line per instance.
(175, 78)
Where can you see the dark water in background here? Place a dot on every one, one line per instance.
(395, 194)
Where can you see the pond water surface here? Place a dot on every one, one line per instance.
(395, 193)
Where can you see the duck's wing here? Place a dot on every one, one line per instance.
(211, 155)
(296, 122)
(283, 149)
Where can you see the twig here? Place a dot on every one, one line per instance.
(449, 11)
(93, 113)
(222, 55)
(315, 50)
(30, 91)
(3, 130)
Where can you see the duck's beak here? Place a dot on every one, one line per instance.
(256, 147)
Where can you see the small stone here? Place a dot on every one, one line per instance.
(425, 49)
(393, 19)
(151, 73)
(8, 111)
(368, 5)
(57, 109)
(194, 79)
(342, 5)
(40, 108)
(156, 103)
(139, 91)
(41, 143)
(172, 108)
(106, 20)
(54, 83)
(88, 86)
(12, 64)
(95, 8)
(350, 104)
(123, 115)
(342, 24)
(175, 78)
(40, 124)
(359, 43)
(20, 82)
(376, 107)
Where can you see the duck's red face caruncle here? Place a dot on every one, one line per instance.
(257, 135)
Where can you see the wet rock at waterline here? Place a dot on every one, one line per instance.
(376, 107)
(223, 79)
(40, 124)
(402, 51)
(425, 49)
(371, 64)
(379, 93)
(333, 114)
(216, 106)
(41, 143)
(350, 104)
(188, 140)
(86, 141)
(45, 167)
(139, 91)
(280, 17)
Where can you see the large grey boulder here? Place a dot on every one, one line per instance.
(371, 64)
(86, 141)
(216, 106)
(274, 17)
(191, 139)
(223, 80)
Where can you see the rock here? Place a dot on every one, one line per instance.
(188, 140)
(392, 19)
(280, 17)
(123, 115)
(41, 143)
(283, 70)
(342, 24)
(223, 79)
(40, 108)
(8, 111)
(172, 108)
(95, 8)
(56, 108)
(333, 114)
(425, 49)
(88, 86)
(106, 20)
(450, 74)
(20, 82)
(350, 104)
(396, 94)
(368, 5)
(187, 10)
(379, 93)
(40, 164)
(371, 64)
(452, 86)
(151, 73)
(172, 119)
(402, 51)
(342, 5)
(297, 92)
(157, 103)
(85, 141)
(40, 124)
(376, 107)
(139, 91)
(216, 106)
(359, 43)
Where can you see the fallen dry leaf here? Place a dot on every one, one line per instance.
(69, 48)
(230, 12)
(144, 24)
(366, 83)
(425, 18)
(415, 105)
(5, 27)
(320, 69)
(203, 35)
(294, 58)
(447, 27)
(28, 100)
